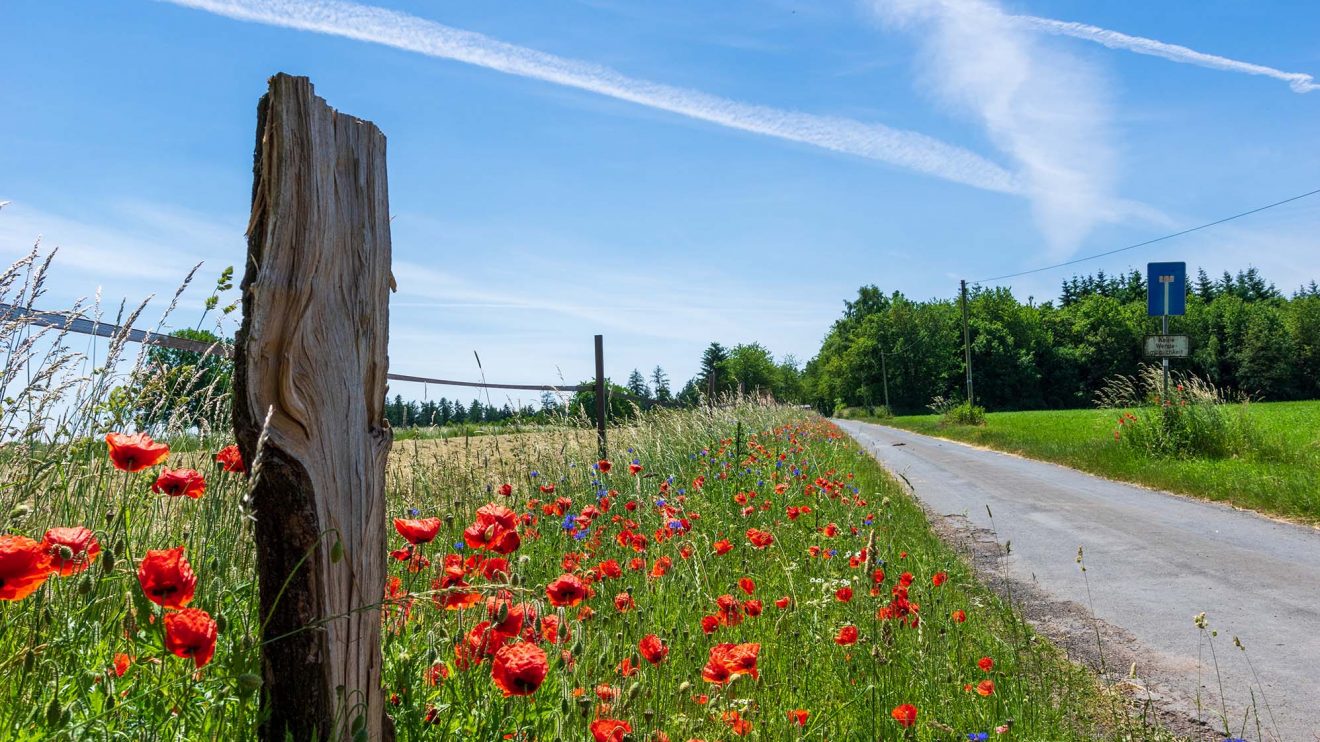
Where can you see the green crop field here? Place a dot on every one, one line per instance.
(1280, 475)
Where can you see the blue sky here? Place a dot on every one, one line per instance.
(677, 172)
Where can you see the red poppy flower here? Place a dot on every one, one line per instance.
(419, 530)
(843, 594)
(758, 538)
(191, 632)
(938, 578)
(798, 716)
(959, 616)
(627, 668)
(985, 687)
(71, 550)
(752, 607)
(604, 465)
(180, 482)
(610, 730)
(653, 649)
(783, 602)
(166, 578)
(436, 673)
(566, 591)
(121, 664)
(633, 469)
(135, 452)
(728, 661)
(554, 632)
(722, 547)
(985, 663)
(846, 636)
(738, 725)
(495, 530)
(547, 488)
(506, 489)
(905, 715)
(24, 565)
(746, 585)
(231, 460)
(623, 602)
(519, 669)
(709, 624)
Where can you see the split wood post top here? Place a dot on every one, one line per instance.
(309, 391)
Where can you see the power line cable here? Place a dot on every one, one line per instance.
(1151, 241)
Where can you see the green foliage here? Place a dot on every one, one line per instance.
(1026, 355)
(180, 389)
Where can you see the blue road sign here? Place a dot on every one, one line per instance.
(1166, 288)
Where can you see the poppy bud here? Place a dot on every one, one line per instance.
(577, 647)
(108, 561)
(54, 714)
(337, 552)
(220, 623)
(564, 705)
(85, 585)
(515, 580)
(490, 533)
(20, 510)
(215, 562)
(502, 614)
(432, 655)
(634, 689)
(248, 682)
(29, 661)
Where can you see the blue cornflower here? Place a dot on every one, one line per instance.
(660, 503)
(834, 552)
(570, 520)
(978, 736)
(579, 535)
(534, 474)
(630, 449)
(676, 525)
(868, 521)
(460, 545)
(414, 512)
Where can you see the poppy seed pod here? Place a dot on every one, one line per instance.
(84, 585)
(248, 682)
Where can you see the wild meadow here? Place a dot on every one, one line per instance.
(738, 570)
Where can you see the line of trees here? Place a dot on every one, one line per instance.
(1245, 335)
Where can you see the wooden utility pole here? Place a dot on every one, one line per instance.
(602, 404)
(967, 344)
(309, 390)
(884, 374)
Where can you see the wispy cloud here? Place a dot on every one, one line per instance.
(1045, 109)
(905, 149)
(1300, 82)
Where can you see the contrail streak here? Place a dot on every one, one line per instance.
(905, 149)
(1300, 82)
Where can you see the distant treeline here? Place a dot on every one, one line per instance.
(1245, 335)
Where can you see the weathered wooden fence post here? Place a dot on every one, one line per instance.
(602, 401)
(312, 352)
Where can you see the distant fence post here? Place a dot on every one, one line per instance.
(602, 406)
(312, 351)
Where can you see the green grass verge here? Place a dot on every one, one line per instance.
(1282, 479)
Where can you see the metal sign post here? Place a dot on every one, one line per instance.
(1169, 298)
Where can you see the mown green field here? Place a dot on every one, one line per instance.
(1282, 476)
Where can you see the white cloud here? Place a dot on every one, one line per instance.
(1300, 82)
(1045, 109)
(901, 148)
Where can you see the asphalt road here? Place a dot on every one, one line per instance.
(1154, 560)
